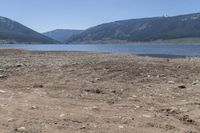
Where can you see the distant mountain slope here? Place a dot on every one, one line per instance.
(14, 32)
(142, 30)
(62, 34)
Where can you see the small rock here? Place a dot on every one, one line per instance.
(134, 96)
(182, 86)
(161, 75)
(95, 108)
(83, 127)
(34, 107)
(2, 91)
(146, 116)
(186, 119)
(151, 109)
(21, 129)
(98, 91)
(4, 105)
(38, 86)
(93, 125)
(62, 115)
(113, 91)
(97, 79)
(191, 132)
(3, 76)
(171, 110)
(183, 109)
(111, 102)
(75, 63)
(20, 93)
(137, 106)
(11, 119)
(121, 127)
(19, 65)
(195, 82)
(171, 82)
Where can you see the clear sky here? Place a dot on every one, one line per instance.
(45, 15)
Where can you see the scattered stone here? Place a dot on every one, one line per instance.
(169, 127)
(146, 116)
(2, 91)
(137, 106)
(195, 82)
(161, 75)
(4, 105)
(113, 91)
(20, 93)
(75, 63)
(19, 65)
(34, 107)
(151, 109)
(196, 103)
(93, 125)
(95, 108)
(62, 115)
(97, 91)
(121, 127)
(134, 96)
(11, 119)
(21, 129)
(172, 110)
(186, 119)
(181, 86)
(97, 79)
(183, 109)
(171, 82)
(3, 76)
(111, 101)
(38, 86)
(191, 132)
(83, 127)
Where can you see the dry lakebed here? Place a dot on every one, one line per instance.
(85, 92)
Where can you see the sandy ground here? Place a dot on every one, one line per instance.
(74, 92)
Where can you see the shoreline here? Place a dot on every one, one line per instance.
(119, 43)
(169, 56)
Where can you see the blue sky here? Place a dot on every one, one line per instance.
(45, 15)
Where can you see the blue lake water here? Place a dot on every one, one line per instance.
(139, 49)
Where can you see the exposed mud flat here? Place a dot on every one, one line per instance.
(75, 92)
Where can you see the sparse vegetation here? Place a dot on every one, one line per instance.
(185, 28)
(14, 32)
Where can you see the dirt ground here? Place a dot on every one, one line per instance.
(77, 92)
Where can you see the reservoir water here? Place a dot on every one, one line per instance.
(159, 50)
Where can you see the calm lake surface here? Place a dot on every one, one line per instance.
(159, 50)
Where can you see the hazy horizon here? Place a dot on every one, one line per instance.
(47, 15)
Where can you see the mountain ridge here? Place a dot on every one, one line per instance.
(62, 35)
(142, 30)
(13, 32)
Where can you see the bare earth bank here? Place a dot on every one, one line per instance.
(74, 92)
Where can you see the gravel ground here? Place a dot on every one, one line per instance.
(80, 92)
